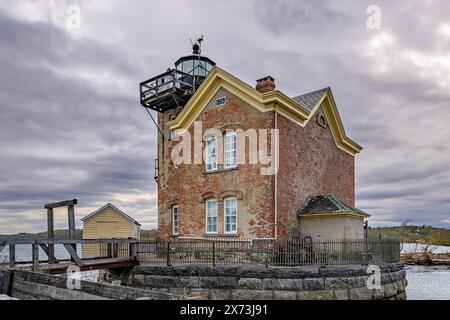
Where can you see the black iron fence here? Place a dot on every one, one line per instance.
(254, 252)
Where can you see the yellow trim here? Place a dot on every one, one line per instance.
(337, 214)
(264, 102)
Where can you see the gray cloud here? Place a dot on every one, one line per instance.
(71, 125)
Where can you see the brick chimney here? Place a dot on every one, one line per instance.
(265, 84)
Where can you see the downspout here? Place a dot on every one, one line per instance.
(276, 174)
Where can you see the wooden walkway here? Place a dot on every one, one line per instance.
(111, 257)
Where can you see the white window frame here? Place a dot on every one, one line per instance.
(220, 102)
(176, 225)
(230, 151)
(210, 159)
(211, 214)
(226, 202)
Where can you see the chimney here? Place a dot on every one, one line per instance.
(265, 84)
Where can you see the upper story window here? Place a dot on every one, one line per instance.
(175, 220)
(221, 101)
(211, 153)
(230, 151)
(230, 215)
(211, 217)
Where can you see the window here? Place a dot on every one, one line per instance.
(211, 216)
(221, 101)
(211, 153)
(230, 150)
(175, 219)
(230, 212)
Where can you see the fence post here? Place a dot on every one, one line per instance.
(214, 253)
(12, 255)
(35, 256)
(168, 254)
(133, 250)
(109, 249)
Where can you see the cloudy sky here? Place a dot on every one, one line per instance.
(71, 125)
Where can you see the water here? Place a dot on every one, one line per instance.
(428, 283)
(24, 253)
(416, 248)
(424, 282)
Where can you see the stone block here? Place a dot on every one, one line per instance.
(220, 294)
(315, 295)
(218, 282)
(284, 295)
(340, 294)
(250, 283)
(189, 282)
(339, 283)
(199, 294)
(282, 284)
(313, 284)
(161, 281)
(360, 294)
(241, 294)
(139, 280)
(390, 290)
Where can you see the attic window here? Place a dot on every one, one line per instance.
(221, 101)
(321, 120)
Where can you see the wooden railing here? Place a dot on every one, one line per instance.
(288, 253)
(105, 249)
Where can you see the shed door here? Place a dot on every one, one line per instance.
(106, 229)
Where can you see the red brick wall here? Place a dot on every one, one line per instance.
(310, 164)
(186, 185)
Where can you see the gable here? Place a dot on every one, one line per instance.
(109, 213)
(264, 102)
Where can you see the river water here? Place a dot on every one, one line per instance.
(424, 283)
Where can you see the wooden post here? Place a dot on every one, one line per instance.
(109, 250)
(35, 256)
(51, 235)
(71, 212)
(71, 221)
(12, 255)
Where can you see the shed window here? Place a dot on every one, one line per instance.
(230, 150)
(230, 212)
(211, 153)
(175, 220)
(211, 216)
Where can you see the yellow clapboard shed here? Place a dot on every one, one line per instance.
(108, 222)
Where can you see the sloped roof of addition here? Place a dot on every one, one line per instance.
(328, 205)
(311, 99)
(109, 205)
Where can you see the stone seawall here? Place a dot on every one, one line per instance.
(26, 285)
(259, 283)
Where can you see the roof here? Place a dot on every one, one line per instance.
(266, 102)
(310, 99)
(327, 204)
(109, 205)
